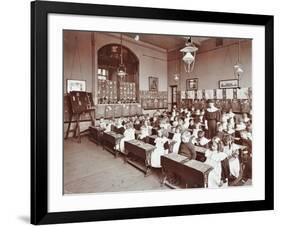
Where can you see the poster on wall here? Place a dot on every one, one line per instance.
(229, 93)
(190, 94)
(183, 95)
(209, 94)
(243, 93)
(199, 94)
(219, 94)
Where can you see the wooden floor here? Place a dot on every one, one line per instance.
(90, 169)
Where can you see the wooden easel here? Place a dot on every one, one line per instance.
(81, 103)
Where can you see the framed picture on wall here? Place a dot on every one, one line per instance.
(104, 188)
(75, 85)
(228, 84)
(192, 84)
(153, 83)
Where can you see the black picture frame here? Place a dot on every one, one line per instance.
(153, 83)
(228, 84)
(82, 84)
(39, 112)
(192, 84)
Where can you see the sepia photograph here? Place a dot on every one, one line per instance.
(130, 131)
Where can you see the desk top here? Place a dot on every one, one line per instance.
(199, 166)
(200, 149)
(153, 136)
(194, 164)
(141, 144)
(176, 157)
(114, 134)
(96, 128)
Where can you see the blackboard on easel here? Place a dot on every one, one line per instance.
(77, 104)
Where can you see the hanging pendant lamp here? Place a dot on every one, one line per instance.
(238, 69)
(189, 52)
(121, 70)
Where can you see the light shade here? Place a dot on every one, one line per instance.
(238, 69)
(188, 58)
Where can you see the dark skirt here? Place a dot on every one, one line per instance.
(212, 128)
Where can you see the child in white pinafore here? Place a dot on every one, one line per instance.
(176, 140)
(232, 152)
(145, 130)
(159, 150)
(214, 156)
(129, 134)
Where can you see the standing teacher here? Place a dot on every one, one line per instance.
(212, 117)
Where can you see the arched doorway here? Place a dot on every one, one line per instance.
(108, 63)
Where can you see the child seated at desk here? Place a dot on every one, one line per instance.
(185, 124)
(224, 117)
(231, 121)
(202, 141)
(197, 128)
(108, 125)
(197, 115)
(188, 114)
(191, 124)
(240, 125)
(229, 129)
(102, 123)
(119, 126)
(246, 156)
(188, 148)
(224, 123)
(157, 113)
(232, 152)
(180, 123)
(230, 114)
(173, 115)
(137, 122)
(159, 149)
(145, 130)
(245, 118)
(175, 122)
(154, 122)
(249, 130)
(129, 134)
(220, 133)
(214, 157)
(185, 137)
(176, 140)
(245, 141)
(164, 124)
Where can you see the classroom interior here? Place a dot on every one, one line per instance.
(153, 112)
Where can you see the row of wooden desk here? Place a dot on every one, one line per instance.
(177, 170)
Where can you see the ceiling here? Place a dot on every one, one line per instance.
(168, 42)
